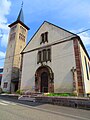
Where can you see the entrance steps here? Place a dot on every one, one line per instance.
(30, 97)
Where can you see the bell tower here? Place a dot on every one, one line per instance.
(16, 43)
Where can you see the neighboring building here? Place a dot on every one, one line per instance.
(1, 73)
(55, 60)
(16, 43)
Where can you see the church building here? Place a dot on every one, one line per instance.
(16, 43)
(55, 61)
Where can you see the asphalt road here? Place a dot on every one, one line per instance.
(33, 111)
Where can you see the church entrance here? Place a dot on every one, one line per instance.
(44, 80)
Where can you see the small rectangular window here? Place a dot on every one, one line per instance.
(86, 68)
(39, 57)
(5, 85)
(44, 55)
(44, 37)
(49, 54)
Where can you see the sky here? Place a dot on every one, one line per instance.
(72, 15)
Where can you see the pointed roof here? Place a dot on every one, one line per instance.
(20, 19)
(20, 16)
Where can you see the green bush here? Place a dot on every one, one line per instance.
(18, 92)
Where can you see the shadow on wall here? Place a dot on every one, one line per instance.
(15, 72)
(28, 85)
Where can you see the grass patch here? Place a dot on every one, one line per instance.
(60, 94)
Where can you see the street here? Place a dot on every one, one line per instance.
(16, 111)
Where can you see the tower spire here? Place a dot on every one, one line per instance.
(20, 16)
(22, 5)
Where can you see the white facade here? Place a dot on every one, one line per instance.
(66, 65)
(61, 64)
(62, 59)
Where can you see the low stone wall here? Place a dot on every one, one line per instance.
(12, 96)
(75, 102)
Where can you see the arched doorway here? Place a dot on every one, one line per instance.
(44, 80)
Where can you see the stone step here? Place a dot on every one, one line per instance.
(27, 98)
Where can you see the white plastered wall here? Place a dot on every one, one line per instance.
(63, 60)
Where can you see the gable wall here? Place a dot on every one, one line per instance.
(62, 61)
(54, 34)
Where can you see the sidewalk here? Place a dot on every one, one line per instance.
(55, 109)
(14, 98)
(42, 101)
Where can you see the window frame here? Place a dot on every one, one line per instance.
(49, 54)
(5, 84)
(44, 37)
(44, 55)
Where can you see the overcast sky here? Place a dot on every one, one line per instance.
(73, 15)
